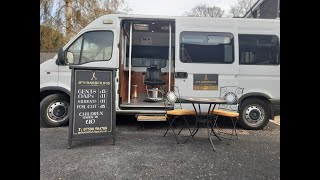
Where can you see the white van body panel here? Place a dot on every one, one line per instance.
(253, 78)
(229, 74)
(260, 78)
(49, 73)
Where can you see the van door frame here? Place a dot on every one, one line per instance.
(130, 47)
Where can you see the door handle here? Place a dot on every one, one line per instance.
(181, 75)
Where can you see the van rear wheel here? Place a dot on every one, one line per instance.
(54, 110)
(254, 114)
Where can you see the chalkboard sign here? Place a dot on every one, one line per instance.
(92, 114)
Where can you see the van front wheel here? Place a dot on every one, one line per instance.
(54, 110)
(254, 114)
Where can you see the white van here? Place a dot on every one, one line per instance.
(231, 51)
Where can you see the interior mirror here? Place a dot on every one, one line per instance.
(70, 58)
(61, 57)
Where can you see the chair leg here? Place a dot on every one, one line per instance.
(192, 133)
(209, 136)
(185, 120)
(196, 129)
(185, 125)
(180, 129)
(214, 133)
(234, 130)
(215, 124)
(170, 126)
(169, 120)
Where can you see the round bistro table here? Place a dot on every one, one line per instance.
(201, 117)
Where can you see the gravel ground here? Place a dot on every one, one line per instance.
(142, 153)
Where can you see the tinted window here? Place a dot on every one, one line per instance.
(91, 46)
(201, 47)
(259, 49)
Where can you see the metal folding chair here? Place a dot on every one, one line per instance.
(174, 111)
(230, 110)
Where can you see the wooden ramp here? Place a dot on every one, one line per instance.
(147, 117)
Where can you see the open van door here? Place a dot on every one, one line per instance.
(205, 57)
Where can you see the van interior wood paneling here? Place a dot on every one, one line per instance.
(124, 76)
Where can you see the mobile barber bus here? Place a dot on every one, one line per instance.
(179, 51)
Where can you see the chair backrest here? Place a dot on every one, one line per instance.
(153, 73)
(171, 97)
(231, 94)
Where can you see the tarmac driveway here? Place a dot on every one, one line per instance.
(142, 153)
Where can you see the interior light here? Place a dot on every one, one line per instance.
(141, 27)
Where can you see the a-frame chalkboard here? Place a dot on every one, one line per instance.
(92, 104)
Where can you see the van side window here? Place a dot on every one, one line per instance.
(259, 49)
(204, 47)
(91, 46)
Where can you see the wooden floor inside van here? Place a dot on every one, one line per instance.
(142, 101)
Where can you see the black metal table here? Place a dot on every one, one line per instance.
(212, 102)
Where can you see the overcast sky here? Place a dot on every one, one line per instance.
(174, 7)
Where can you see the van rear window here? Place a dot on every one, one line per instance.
(259, 49)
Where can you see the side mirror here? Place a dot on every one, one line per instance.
(61, 56)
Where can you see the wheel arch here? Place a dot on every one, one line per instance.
(45, 91)
(258, 95)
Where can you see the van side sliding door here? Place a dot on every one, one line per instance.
(205, 60)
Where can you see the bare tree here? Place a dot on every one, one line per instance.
(241, 7)
(85, 11)
(204, 10)
(46, 7)
(70, 16)
(50, 39)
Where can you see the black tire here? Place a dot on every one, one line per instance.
(254, 114)
(54, 110)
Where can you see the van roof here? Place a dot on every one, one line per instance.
(138, 16)
(117, 17)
